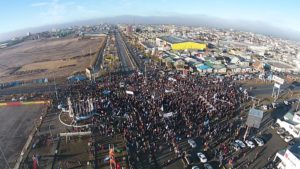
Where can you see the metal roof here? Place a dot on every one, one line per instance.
(295, 149)
(172, 39)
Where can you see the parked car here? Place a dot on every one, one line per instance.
(236, 147)
(288, 138)
(280, 131)
(286, 102)
(250, 143)
(275, 126)
(202, 157)
(259, 141)
(240, 143)
(283, 135)
(192, 143)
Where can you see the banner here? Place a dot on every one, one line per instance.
(129, 92)
(278, 79)
(166, 115)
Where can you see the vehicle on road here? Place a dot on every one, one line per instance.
(236, 147)
(202, 157)
(240, 143)
(275, 126)
(286, 102)
(207, 166)
(280, 131)
(288, 138)
(283, 135)
(192, 143)
(250, 143)
(259, 141)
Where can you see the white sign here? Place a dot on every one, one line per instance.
(169, 91)
(277, 85)
(278, 79)
(166, 115)
(172, 79)
(129, 92)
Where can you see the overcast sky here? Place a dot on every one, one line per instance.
(19, 14)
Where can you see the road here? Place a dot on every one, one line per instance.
(15, 125)
(268, 89)
(261, 156)
(31, 89)
(99, 60)
(126, 61)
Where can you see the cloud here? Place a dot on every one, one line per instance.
(39, 4)
(57, 11)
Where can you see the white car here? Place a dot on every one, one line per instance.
(288, 138)
(122, 84)
(192, 143)
(202, 157)
(280, 131)
(250, 144)
(236, 147)
(259, 141)
(240, 143)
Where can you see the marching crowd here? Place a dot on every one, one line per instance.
(161, 108)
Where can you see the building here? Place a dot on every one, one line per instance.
(176, 43)
(289, 158)
(280, 66)
(291, 123)
(3, 45)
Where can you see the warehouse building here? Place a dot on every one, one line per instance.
(175, 43)
(289, 158)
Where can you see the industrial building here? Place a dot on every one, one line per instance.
(289, 158)
(175, 43)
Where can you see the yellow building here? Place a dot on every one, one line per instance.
(188, 45)
(176, 43)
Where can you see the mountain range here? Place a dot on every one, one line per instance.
(188, 20)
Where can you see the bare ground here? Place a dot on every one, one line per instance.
(47, 58)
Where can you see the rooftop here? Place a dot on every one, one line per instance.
(295, 149)
(172, 39)
(256, 113)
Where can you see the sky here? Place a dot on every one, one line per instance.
(20, 14)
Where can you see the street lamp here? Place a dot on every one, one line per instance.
(298, 104)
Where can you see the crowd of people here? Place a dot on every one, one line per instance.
(159, 109)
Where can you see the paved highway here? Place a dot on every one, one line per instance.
(31, 89)
(99, 60)
(126, 61)
(267, 89)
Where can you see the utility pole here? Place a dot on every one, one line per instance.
(298, 105)
(145, 73)
(55, 88)
(49, 127)
(4, 157)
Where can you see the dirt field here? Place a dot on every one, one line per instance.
(45, 58)
(15, 125)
